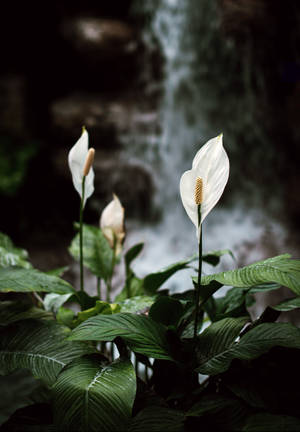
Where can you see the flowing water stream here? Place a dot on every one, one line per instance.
(184, 128)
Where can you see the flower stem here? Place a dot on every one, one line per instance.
(99, 287)
(197, 293)
(81, 235)
(109, 282)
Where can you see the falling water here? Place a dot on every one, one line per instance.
(184, 128)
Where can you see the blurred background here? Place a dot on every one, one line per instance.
(152, 81)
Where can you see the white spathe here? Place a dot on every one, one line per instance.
(76, 159)
(211, 163)
(112, 223)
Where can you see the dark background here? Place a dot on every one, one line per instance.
(58, 74)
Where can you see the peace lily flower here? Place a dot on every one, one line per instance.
(204, 184)
(112, 224)
(80, 162)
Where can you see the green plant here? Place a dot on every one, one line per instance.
(187, 361)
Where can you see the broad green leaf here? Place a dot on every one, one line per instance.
(213, 257)
(287, 305)
(154, 281)
(17, 279)
(264, 287)
(16, 391)
(265, 422)
(157, 419)
(226, 413)
(233, 304)
(12, 311)
(166, 310)
(215, 355)
(90, 395)
(53, 301)
(97, 254)
(133, 288)
(11, 256)
(132, 253)
(85, 300)
(280, 269)
(59, 272)
(39, 346)
(66, 317)
(101, 307)
(217, 339)
(137, 304)
(142, 334)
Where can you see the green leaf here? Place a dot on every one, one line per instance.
(27, 280)
(154, 280)
(97, 254)
(137, 304)
(16, 391)
(39, 346)
(264, 287)
(132, 253)
(84, 299)
(11, 256)
(12, 311)
(216, 340)
(213, 257)
(59, 272)
(287, 305)
(157, 419)
(90, 395)
(226, 413)
(134, 286)
(142, 334)
(265, 422)
(66, 317)
(53, 301)
(166, 310)
(233, 304)
(101, 307)
(217, 346)
(280, 269)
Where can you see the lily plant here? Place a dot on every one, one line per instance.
(80, 162)
(200, 190)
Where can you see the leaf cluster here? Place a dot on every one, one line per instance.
(235, 374)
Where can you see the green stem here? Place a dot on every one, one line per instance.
(197, 294)
(81, 235)
(99, 287)
(109, 282)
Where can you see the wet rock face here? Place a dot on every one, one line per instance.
(108, 119)
(104, 117)
(107, 37)
(130, 181)
(106, 50)
(13, 105)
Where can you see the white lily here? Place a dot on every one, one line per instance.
(77, 163)
(205, 182)
(112, 224)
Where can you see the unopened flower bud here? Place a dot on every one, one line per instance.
(112, 224)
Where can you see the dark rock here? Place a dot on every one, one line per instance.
(12, 105)
(106, 119)
(132, 182)
(105, 37)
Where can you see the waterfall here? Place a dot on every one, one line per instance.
(184, 128)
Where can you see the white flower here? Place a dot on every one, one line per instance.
(112, 223)
(211, 164)
(77, 158)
